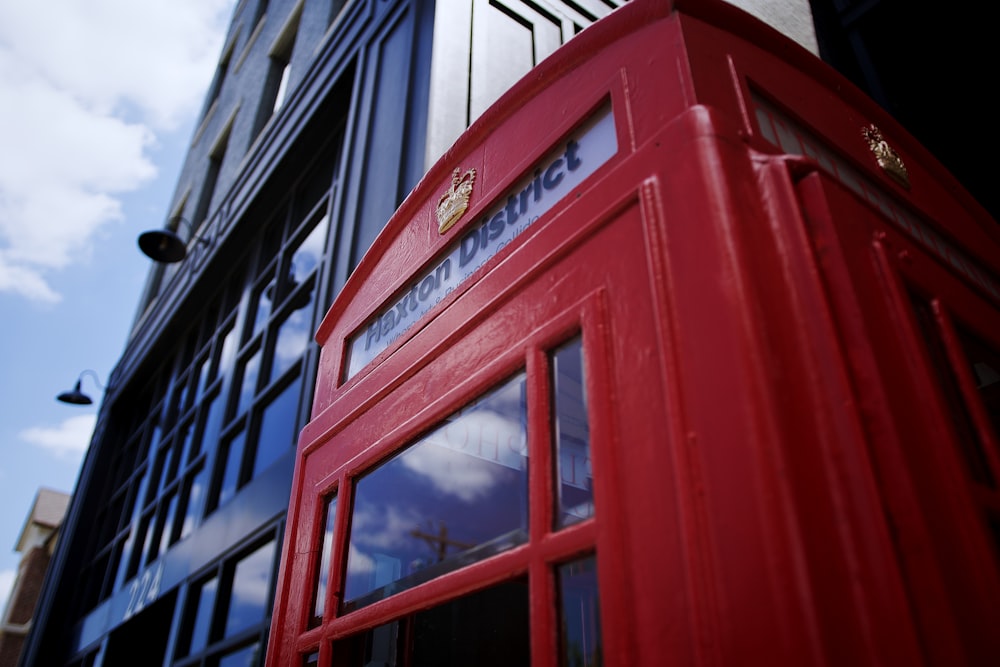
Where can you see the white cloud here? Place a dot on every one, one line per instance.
(68, 440)
(86, 86)
(6, 585)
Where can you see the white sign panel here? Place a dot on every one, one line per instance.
(537, 192)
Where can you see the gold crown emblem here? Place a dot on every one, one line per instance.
(453, 203)
(887, 158)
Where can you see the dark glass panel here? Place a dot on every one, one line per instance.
(575, 500)
(971, 446)
(456, 496)
(984, 363)
(185, 434)
(201, 375)
(277, 427)
(487, 628)
(250, 595)
(579, 614)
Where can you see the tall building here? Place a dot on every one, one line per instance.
(322, 116)
(36, 544)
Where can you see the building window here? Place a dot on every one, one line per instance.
(209, 182)
(225, 618)
(272, 349)
(279, 70)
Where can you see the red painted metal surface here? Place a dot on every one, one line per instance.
(778, 467)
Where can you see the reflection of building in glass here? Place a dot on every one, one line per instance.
(322, 115)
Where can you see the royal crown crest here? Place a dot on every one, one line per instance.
(887, 158)
(453, 203)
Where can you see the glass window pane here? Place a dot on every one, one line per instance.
(248, 386)
(984, 362)
(166, 536)
(185, 433)
(202, 621)
(277, 427)
(265, 298)
(580, 614)
(193, 499)
(242, 657)
(575, 501)
(227, 353)
(487, 628)
(325, 552)
(309, 253)
(231, 473)
(456, 496)
(293, 336)
(251, 591)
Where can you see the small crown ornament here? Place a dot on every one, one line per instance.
(453, 203)
(888, 159)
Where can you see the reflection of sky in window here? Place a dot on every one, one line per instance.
(325, 552)
(263, 306)
(309, 252)
(277, 427)
(195, 497)
(168, 523)
(203, 616)
(227, 354)
(458, 488)
(251, 590)
(231, 473)
(293, 337)
(249, 385)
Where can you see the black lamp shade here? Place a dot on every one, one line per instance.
(162, 245)
(75, 397)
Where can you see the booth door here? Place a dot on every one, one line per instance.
(502, 493)
(920, 321)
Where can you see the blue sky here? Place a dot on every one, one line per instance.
(97, 104)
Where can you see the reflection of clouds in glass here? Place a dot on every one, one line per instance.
(251, 589)
(193, 505)
(307, 255)
(292, 338)
(451, 473)
(383, 527)
(359, 562)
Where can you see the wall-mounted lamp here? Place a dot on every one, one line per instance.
(164, 245)
(75, 396)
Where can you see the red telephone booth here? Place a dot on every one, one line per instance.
(685, 353)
